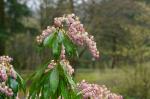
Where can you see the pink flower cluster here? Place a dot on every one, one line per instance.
(6, 70)
(45, 33)
(62, 55)
(6, 90)
(68, 67)
(3, 73)
(5, 59)
(94, 91)
(75, 31)
(64, 63)
(51, 64)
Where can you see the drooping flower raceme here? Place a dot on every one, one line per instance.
(4, 59)
(45, 33)
(75, 31)
(63, 62)
(63, 37)
(94, 91)
(78, 34)
(69, 68)
(4, 89)
(6, 70)
(62, 55)
(9, 84)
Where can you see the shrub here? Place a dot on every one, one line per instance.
(10, 81)
(54, 79)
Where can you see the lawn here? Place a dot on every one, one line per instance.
(112, 78)
(118, 80)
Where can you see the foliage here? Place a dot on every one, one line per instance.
(11, 15)
(139, 83)
(22, 50)
(55, 78)
(119, 30)
(14, 13)
(131, 82)
(10, 81)
(120, 27)
(55, 81)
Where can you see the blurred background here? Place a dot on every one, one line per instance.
(121, 29)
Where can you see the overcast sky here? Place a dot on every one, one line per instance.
(33, 4)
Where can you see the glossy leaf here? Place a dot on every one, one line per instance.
(21, 82)
(39, 76)
(70, 83)
(14, 85)
(60, 36)
(69, 46)
(48, 40)
(64, 90)
(54, 79)
(56, 47)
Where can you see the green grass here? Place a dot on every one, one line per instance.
(118, 80)
(114, 79)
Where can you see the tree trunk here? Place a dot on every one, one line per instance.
(72, 6)
(2, 27)
(113, 62)
(2, 16)
(114, 57)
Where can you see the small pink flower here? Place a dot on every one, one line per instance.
(62, 52)
(95, 91)
(75, 31)
(57, 22)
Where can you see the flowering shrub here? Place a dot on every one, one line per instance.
(10, 80)
(74, 32)
(95, 91)
(54, 80)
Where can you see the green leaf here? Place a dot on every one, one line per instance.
(70, 80)
(72, 93)
(69, 46)
(46, 90)
(64, 90)
(60, 36)
(21, 82)
(14, 85)
(48, 40)
(40, 77)
(56, 47)
(54, 79)
(67, 76)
